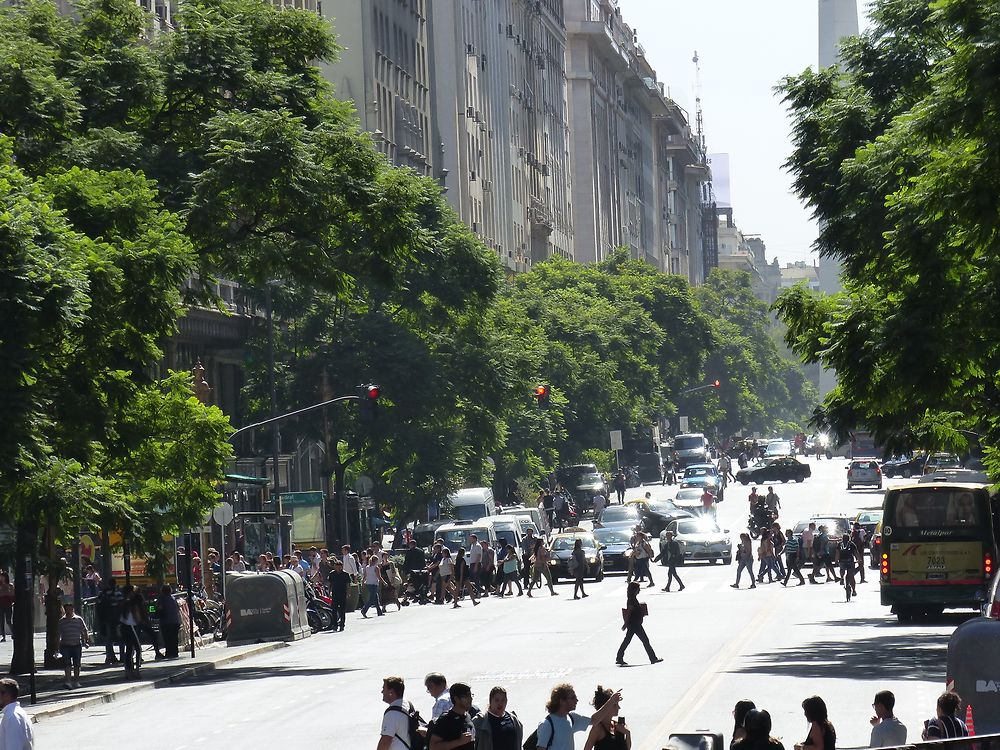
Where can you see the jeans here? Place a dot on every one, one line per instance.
(672, 576)
(767, 565)
(133, 648)
(744, 565)
(639, 632)
(339, 613)
(6, 619)
(792, 567)
(373, 599)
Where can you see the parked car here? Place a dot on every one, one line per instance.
(656, 514)
(689, 499)
(617, 543)
(869, 520)
(864, 472)
(562, 550)
(700, 539)
(583, 482)
(904, 466)
(784, 469)
(620, 516)
(938, 461)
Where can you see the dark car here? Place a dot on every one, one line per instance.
(562, 551)
(656, 514)
(904, 466)
(617, 548)
(425, 533)
(784, 469)
(583, 482)
(621, 516)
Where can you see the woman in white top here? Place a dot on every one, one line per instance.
(446, 570)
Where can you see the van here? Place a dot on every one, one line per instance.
(533, 514)
(473, 503)
(690, 448)
(458, 534)
(507, 530)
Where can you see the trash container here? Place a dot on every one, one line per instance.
(265, 607)
(974, 671)
(353, 597)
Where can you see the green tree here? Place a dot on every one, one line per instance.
(896, 155)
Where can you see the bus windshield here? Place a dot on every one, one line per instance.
(940, 508)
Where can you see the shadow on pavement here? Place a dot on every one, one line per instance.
(235, 674)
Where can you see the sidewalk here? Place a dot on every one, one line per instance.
(103, 684)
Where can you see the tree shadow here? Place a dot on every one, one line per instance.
(239, 674)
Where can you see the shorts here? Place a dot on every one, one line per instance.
(72, 654)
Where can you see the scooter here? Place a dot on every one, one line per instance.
(319, 614)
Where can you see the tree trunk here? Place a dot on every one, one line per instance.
(53, 603)
(24, 598)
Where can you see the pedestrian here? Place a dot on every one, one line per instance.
(498, 729)
(373, 583)
(946, 724)
(16, 732)
(860, 542)
(73, 637)
(108, 612)
(6, 606)
(527, 548)
(561, 721)
(757, 724)
(600, 502)
(475, 562)
(463, 582)
(772, 501)
(549, 509)
(827, 552)
(819, 545)
(608, 733)
(129, 622)
(91, 582)
(620, 486)
(392, 585)
(765, 553)
(822, 735)
(806, 546)
(578, 568)
(792, 558)
(337, 582)
(740, 712)
(848, 555)
(643, 553)
(453, 730)
(395, 733)
(887, 730)
(489, 566)
(511, 572)
(673, 556)
(350, 563)
(540, 567)
(437, 687)
(170, 622)
(708, 503)
(744, 560)
(633, 614)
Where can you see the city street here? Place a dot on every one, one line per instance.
(773, 645)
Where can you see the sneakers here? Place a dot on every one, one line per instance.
(657, 660)
(734, 586)
(680, 589)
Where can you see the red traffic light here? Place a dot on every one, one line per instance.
(716, 384)
(541, 391)
(372, 392)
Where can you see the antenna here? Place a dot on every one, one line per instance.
(699, 115)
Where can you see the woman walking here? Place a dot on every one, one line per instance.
(744, 560)
(540, 557)
(132, 612)
(463, 581)
(607, 734)
(822, 735)
(578, 561)
(634, 613)
(511, 572)
(7, 606)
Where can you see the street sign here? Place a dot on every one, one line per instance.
(616, 440)
(364, 485)
(682, 424)
(223, 514)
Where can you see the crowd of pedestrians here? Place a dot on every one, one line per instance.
(456, 723)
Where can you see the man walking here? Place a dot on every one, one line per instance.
(599, 504)
(674, 557)
(15, 725)
(338, 581)
(620, 486)
(350, 564)
(453, 730)
(437, 688)
(170, 622)
(792, 558)
(887, 730)
(395, 734)
(772, 501)
(557, 729)
(475, 560)
(73, 636)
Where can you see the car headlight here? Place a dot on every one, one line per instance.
(553, 563)
(591, 560)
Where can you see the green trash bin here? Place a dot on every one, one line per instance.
(354, 597)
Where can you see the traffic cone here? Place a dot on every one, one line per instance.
(969, 724)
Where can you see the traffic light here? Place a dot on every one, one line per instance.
(716, 384)
(543, 393)
(367, 401)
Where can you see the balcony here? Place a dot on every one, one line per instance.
(602, 38)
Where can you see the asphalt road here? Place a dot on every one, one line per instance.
(773, 645)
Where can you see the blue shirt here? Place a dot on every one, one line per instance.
(563, 728)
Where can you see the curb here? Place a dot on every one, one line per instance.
(182, 674)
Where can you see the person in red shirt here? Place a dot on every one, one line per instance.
(708, 503)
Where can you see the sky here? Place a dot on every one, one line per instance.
(745, 48)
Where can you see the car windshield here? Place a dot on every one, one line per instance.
(688, 443)
(870, 517)
(618, 513)
(470, 512)
(687, 495)
(505, 536)
(590, 479)
(698, 471)
(935, 509)
(781, 446)
(697, 527)
(662, 506)
(567, 542)
(866, 465)
(456, 538)
(612, 536)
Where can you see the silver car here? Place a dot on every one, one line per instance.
(700, 539)
(689, 498)
(864, 471)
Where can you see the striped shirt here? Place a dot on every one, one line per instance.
(946, 727)
(792, 546)
(72, 631)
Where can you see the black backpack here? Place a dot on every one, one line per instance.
(532, 742)
(416, 740)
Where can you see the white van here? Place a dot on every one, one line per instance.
(458, 533)
(690, 448)
(473, 503)
(534, 514)
(506, 529)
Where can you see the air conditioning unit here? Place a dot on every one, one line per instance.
(472, 176)
(470, 49)
(487, 186)
(545, 170)
(482, 62)
(470, 113)
(475, 227)
(510, 31)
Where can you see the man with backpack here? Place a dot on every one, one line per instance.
(557, 729)
(402, 727)
(453, 730)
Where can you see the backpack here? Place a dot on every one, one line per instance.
(415, 741)
(532, 742)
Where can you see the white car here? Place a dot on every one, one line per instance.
(864, 472)
(778, 448)
(689, 498)
(700, 539)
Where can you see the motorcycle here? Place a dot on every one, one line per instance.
(759, 521)
(319, 613)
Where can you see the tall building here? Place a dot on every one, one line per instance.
(638, 169)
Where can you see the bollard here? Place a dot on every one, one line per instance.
(969, 724)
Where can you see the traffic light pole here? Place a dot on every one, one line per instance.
(291, 414)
